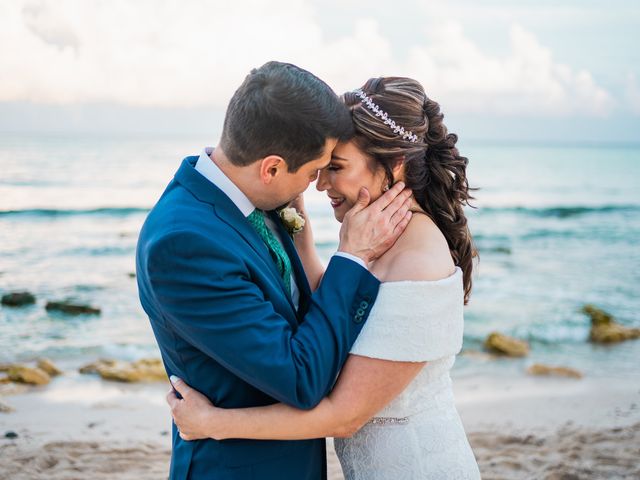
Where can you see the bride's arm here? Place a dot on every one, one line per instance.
(313, 267)
(364, 387)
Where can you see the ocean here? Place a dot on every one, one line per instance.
(557, 226)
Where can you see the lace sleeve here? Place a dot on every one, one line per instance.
(414, 321)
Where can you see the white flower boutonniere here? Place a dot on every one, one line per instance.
(292, 220)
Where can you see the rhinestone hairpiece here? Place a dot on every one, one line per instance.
(397, 129)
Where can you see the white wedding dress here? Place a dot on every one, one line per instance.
(419, 435)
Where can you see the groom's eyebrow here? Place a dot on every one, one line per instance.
(336, 157)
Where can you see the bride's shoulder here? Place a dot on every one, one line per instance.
(420, 254)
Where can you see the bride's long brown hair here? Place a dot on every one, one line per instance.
(434, 169)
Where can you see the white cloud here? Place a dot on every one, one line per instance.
(174, 53)
(632, 94)
(527, 80)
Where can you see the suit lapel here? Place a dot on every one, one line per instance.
(227, 211)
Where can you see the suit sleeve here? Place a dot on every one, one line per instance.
(208, 298)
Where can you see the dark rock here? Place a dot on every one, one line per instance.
(18, 299)
(72, 308)
(10, 434)
(132, 275)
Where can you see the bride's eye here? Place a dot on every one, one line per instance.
(333, 168)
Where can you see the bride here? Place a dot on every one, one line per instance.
(392, 409)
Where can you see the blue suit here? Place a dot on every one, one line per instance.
(225, 324)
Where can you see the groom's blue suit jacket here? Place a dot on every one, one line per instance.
(225, 324)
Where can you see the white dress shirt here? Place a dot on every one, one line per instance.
(209, 170)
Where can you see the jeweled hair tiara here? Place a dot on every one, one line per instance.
(397, 129)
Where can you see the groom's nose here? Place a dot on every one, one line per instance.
(322, 183)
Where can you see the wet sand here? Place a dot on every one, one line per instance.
(542, 428)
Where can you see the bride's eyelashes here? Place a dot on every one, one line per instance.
(333, 168)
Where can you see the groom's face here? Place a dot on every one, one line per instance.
(288, 186)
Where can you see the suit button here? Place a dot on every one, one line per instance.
(364, 304)
(360, 312)
(357, 319)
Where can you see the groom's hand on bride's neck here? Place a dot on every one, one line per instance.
(369, 230)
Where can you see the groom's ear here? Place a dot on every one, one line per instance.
(271, 167)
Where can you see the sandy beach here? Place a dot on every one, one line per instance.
(544, 428)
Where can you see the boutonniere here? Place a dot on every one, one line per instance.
(293, 220)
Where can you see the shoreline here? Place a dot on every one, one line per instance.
(525, 427)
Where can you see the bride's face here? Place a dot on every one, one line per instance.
(350, 170)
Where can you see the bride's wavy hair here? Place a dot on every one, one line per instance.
(434, 169)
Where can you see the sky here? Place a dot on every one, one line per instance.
(501, 70)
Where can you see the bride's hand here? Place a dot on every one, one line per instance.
(193, 414)
(298, 203)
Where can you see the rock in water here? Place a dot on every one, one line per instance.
(11, 434)
(28, 375)
(504, 345)
(18, 299)
(94, 367)
(540, 369)
(144, 370)
(48, 366)
(604, 328)
(72, 308)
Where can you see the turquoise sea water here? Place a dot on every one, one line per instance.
(557, 226)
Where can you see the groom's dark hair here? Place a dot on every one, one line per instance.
(281, 109)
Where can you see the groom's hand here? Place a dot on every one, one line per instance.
(368, 231)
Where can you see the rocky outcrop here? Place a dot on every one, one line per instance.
(500, 344)
(72, 308)
(18, 299)
(540, 369)
(604, 328)
(48, 366)
(144, 370)
(31, 376)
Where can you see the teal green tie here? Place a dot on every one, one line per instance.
(280, 257)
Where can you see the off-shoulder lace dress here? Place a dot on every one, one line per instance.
(419, 435)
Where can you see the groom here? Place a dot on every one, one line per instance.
(224, 289)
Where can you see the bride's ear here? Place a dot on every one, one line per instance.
(398, 169)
